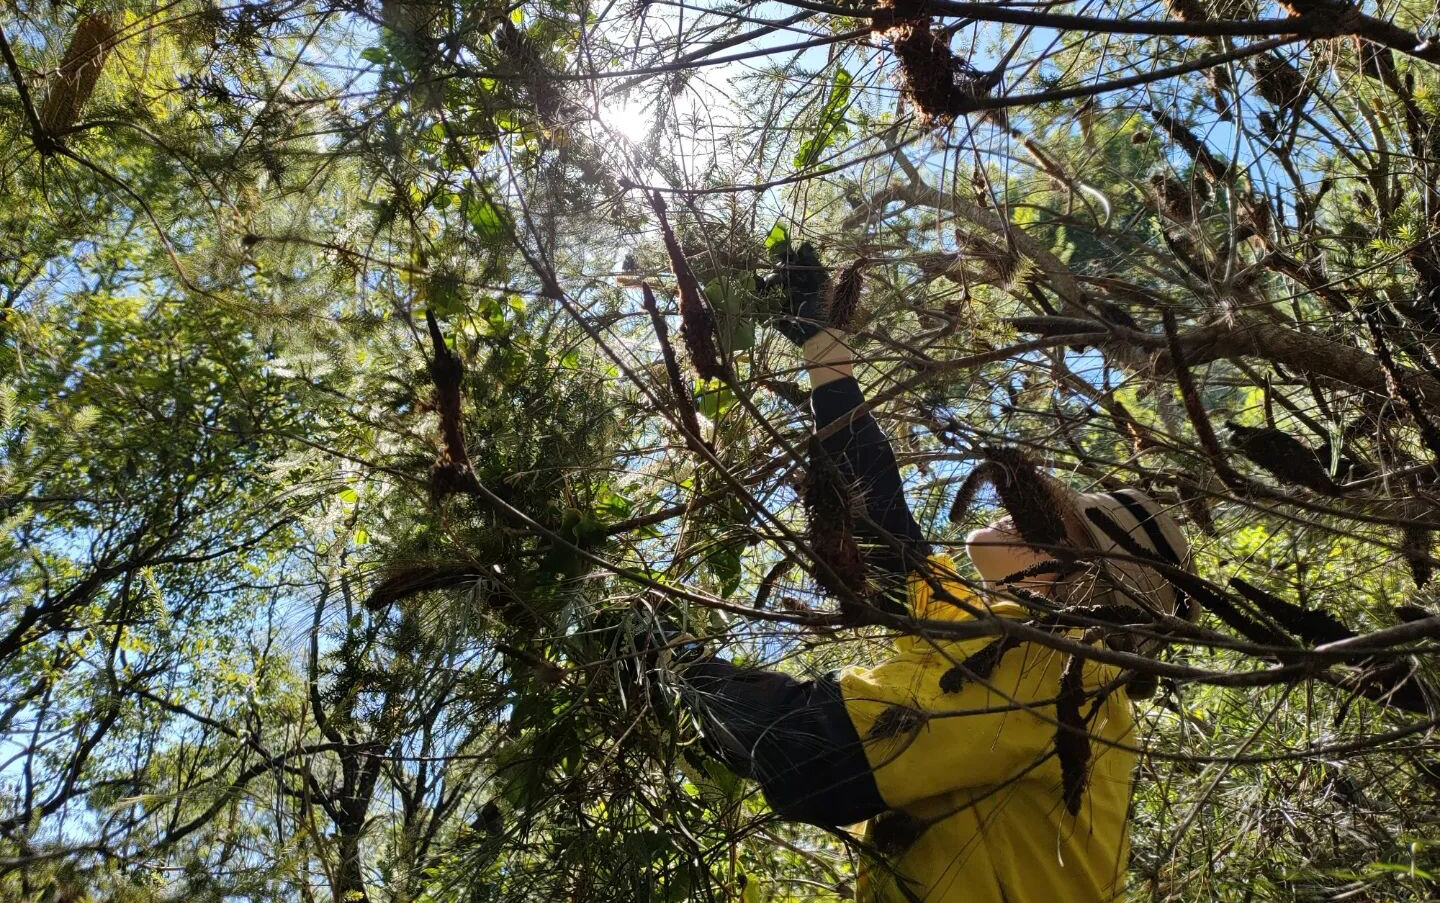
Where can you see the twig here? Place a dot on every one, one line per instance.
(44, 142)
(678, 390)
(1198, 417)
(1398, 385)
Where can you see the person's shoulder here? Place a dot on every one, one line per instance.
(938, 592)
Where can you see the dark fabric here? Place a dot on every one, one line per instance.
(801, 278)
(793, 737)
(895, 544)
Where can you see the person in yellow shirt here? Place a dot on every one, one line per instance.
(986, 770)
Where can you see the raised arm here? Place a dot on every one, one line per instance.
(863, 455)
(850, 435)
(796, 738)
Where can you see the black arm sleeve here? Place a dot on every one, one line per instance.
(793, 737)
(866, 460)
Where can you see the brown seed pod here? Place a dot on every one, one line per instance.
(1278, 81)
(1086, 117)
(1184, 250)
(1072, 740)
(1197, 507)
(1201, 594)
(1314, 626)
(79, 71)
(1142, 686)
(491, 820)
(978, 666)
(1186, 10)
(895, 831)
(521, 53)
(940, 84)
(1424, 309)
(684, 403)
(1283, 456)
(1213, 167)
(1001, 263)
(845, 298)
(1409, 614)
(1415, 546)
(1222, 91)
(926, 76)
(452, 472)
(1027, 497)
(896, 721)
(1127, 426)
(830, 513)
(1256, 218)
(979, 476)
(1175, 200)
(415, 23)
(1233, 9)
(697, 321)
(406, 582)
(767, 585)
(1051, 567)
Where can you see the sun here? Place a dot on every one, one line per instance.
(630, 118)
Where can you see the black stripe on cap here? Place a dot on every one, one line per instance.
(1146, 519)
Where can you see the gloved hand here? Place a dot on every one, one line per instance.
(662, 651)
(668, 647)
(659, 647)
(801, 281)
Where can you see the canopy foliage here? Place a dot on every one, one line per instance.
(340, 463)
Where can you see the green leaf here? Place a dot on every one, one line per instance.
(718, 291)
(488, 220)
(1398, 868)
(725, 563)
(831, 126)
(443, 294)
(750, 888)
(725, 780)
(736, 331)
(612, 504)
(741, 337)
(589, 531)
(712, 403)
(778, 239)
(377, 55)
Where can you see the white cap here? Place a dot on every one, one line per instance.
(1122, 580)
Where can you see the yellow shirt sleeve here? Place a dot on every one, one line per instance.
(921, 741)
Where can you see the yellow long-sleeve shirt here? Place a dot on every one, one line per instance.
(962, 789)
(975, 777)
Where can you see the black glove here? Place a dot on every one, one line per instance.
(662, 645)
(801, 279)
